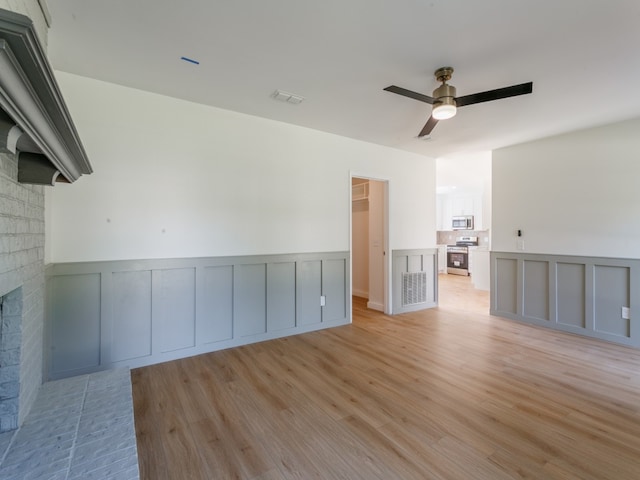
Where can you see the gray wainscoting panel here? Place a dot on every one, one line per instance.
(131, 304)
(333, 287)
(140, 312)
(309, 292)
(74, 311)
(583, 295)
(535, 298)
(430, 264)
(281, 296)
(505, 287)
(414, 263)
(415, 280)
(175, 308)
(216, 304)
(611, 293)
(250, 299)
(570, 294)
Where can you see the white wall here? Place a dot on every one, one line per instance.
(177, 179)
(573, 194)
(465, 174)
(469, 171)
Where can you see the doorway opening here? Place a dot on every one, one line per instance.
(463, 222)
(369, 242)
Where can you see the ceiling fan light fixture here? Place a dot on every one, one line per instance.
(445, 108)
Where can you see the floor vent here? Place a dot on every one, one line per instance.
(414, 288)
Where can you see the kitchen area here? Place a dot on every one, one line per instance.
(463, 204)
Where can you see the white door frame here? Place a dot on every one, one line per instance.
(387, 254)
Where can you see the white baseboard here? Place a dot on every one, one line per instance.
(375, 306)
(360, 293)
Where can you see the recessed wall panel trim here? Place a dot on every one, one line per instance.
(334, 276)
(607, 317)
(131, 315)
(589, 296)
(174, 317)
(76, 323)
(535, 298)
(281, 296)
(505, 287)
(309, 292)
(570, 292)
(214, 303)
(250, 299)
(141, 312)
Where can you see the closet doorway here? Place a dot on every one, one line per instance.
(369, 242)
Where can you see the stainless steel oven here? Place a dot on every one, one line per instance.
(458, 255)
(457, 260)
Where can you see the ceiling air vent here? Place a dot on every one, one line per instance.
(287, 97)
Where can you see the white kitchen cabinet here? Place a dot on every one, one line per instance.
(443, 212)
(462, 205)
(477, 212)
(442, 259)
(480, 258)
(454, 204)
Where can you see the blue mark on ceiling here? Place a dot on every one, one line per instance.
(190, 60)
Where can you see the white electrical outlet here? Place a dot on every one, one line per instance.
(520, 244)
(625, 313)
(323, 300)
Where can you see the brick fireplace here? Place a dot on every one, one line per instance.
(10, 345)
(21, 272)
(21, 293)
(38, 146)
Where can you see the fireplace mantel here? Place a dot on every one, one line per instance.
(39, 127)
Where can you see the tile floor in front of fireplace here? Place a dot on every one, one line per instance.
(78, 428)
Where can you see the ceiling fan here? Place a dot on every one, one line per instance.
(444, 98)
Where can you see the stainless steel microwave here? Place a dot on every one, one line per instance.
(463, 222)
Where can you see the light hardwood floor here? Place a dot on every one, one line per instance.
(456, 292)
(448, 393)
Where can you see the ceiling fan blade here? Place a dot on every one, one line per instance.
(430, 125)
(408, 93)
(496, 94)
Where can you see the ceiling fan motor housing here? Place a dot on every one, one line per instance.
(445, 93)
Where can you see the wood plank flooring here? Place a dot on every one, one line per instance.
(447, 393)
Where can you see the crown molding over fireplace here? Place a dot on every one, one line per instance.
(30, 96)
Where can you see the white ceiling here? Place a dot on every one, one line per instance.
(582, 56)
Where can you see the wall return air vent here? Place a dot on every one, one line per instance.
(35, 123)
(414, 288)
